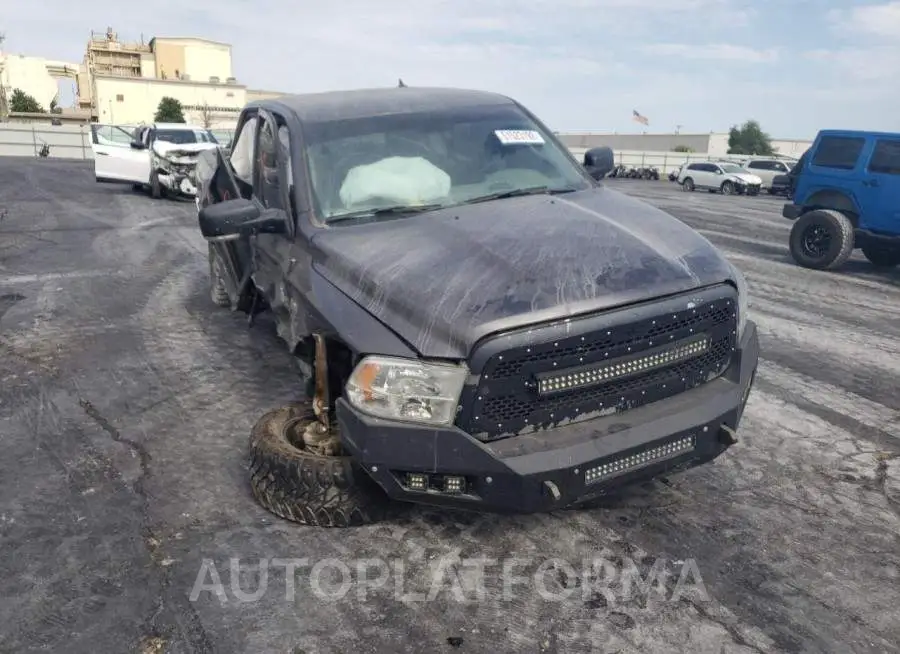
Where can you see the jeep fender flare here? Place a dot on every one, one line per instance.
(835, 200)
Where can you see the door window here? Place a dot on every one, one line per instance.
(841, 152)
(886, 157)
(267, 184)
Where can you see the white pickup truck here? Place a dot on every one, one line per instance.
(160, 157)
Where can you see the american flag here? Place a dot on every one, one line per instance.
(639, 118)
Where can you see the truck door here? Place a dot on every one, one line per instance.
(272, 253)
(836, 164)
(882, 182)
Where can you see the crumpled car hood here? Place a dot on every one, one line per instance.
(166, 149)
(444, 280)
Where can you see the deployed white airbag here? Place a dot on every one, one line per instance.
(401, 180)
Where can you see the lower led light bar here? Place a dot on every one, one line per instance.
(621, 368)
(638, 460)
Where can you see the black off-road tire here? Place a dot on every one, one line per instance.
(881, 256)
(727, 188)
(687, 184)
(217, 291)
(297, 485)
(156, 190)
(834, 252)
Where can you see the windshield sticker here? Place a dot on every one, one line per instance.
(518, 137)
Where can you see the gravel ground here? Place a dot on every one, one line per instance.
(126, 400)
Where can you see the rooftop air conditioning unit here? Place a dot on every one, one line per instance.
(230, 80)
(185, 76)
(213, 80)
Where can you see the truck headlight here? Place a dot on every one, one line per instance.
(743, 301)
(406, 389)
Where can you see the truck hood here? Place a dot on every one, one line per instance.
(444, 280)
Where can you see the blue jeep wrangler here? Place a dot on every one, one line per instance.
(846, 196)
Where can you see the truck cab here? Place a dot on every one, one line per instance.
(847, 196)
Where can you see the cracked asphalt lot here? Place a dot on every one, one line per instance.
(126, 401)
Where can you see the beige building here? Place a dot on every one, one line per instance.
(123, 83)
(135, 100)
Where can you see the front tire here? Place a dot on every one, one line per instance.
(155, 186)
(687, 184)
(306, 488)
(881, 256)
(727, 188)
(822, 239)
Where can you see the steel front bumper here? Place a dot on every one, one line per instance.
(557, 467)
(791, 211)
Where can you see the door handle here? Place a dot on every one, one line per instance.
(103, 154)
(871, 182)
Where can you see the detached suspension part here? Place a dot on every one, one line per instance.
(319, 435)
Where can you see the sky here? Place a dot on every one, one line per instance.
(796, 66)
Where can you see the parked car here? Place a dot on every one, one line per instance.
(780, 185)
(727, 178)
(766, 169)
(846, 196)
(478, 321)
(160, 157)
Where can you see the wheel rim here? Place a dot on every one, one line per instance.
(727, 188)
(816, 241)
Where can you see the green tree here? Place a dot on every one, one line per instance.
(54, 107)
(20, 101)
(682, 148)
(749, 139)
(169, 111)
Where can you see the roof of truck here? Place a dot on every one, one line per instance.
(361, 103)
(858, 133)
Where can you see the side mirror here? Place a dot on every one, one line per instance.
(240, 217)
(138, 145)
(599, 162)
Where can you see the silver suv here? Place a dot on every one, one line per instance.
(767, 169)
(727, 178)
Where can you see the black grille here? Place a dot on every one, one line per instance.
(506, 401)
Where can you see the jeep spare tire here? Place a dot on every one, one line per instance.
(822, 239)
(301, 486)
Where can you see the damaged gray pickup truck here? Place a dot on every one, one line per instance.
(481, 322)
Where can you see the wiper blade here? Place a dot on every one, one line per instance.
(533, 190)
(397, 210)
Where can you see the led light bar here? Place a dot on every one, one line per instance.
(621, 368)
(639, 460)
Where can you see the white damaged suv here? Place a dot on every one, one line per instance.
(727, 178)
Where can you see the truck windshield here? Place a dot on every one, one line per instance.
(433, 160)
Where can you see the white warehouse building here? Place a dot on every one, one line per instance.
(713, 144)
